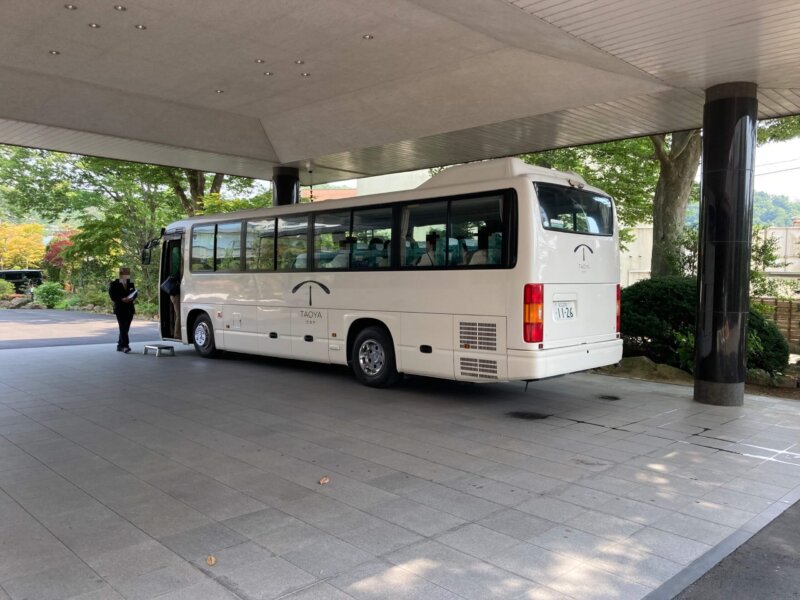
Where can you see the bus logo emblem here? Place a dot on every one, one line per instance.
(585, 248)
(322, 286)
(583, 265)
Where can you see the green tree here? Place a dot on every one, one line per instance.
(652, 180)
(763, 255)
(778, 130)
(21, 245)
(215, 204)
(679, 158)
(626, 169)
(116, 206)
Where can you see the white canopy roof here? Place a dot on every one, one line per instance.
(392, 85)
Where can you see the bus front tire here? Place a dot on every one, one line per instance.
(372, 358)
(203, 336)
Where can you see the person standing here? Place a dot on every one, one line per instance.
(120, 291)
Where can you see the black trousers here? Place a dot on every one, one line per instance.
(124, 322)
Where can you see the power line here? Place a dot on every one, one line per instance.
(778, 171)
(779, 162)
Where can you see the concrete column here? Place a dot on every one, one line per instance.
(285, 186)
(726, 215)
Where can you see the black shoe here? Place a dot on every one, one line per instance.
(119, 349)
(126, 349)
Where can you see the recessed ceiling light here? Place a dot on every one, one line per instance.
(70, 7)
(305, 74)
(268, 73)
(299, 62)
(368, 36)
(94, 25)
(55, 52)
(120, 8)
(260, 61)
(220, 91)
(140, 27)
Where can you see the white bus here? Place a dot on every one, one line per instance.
(493, 271)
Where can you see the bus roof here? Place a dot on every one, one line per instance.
(485, 171)
(501, 168)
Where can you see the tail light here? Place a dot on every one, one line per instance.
(619, 305)
(532, 313)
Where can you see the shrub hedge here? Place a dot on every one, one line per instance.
(658, 321)
(6, 289)
(49, 294)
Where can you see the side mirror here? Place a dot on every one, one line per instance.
(146, 255)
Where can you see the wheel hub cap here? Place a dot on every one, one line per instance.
(200, 334)
(371, 357)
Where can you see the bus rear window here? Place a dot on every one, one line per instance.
(570, 209)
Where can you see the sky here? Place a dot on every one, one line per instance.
(778, 169)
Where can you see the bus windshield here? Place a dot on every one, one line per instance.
(565, 208)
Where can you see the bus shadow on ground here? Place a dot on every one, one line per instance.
(432, 389)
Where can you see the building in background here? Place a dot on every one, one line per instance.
(635, 259)
(322, 194)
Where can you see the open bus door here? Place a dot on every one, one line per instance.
(170, 304)
(170, 264)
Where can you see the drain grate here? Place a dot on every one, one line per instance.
(608, 397)
(528, 416)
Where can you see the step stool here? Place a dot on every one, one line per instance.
(159, 348)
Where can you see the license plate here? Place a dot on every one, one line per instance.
(564, 311)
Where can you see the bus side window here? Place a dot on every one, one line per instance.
(333, 245)
(292, 243)
(228, 247)
(260, 245)
(423, 226)
(202, 248)
(478, 223)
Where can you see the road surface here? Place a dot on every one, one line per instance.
(31, 328)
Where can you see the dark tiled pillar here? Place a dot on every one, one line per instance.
(726, 214)
(285, 186)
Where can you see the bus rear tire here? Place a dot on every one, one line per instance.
(203, 337)
(372, 359)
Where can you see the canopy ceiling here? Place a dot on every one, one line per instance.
(392, 85)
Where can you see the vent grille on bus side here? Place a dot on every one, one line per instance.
(479, 368)
(478, 336)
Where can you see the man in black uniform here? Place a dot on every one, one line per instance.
(120, 291)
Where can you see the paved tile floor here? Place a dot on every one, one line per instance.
(121, 474)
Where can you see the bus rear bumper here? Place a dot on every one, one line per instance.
(538, 364)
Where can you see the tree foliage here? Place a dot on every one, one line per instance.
(21, 245)
(769, 210)
(115, 206)
(652, 180)
(215, 204)
(625, 169)
(679, 158)
(763, 255)
(778, 130)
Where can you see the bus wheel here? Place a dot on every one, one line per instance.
(373, 358)
(204, 337)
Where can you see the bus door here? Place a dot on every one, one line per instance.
(170, 305)
(309, 322)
